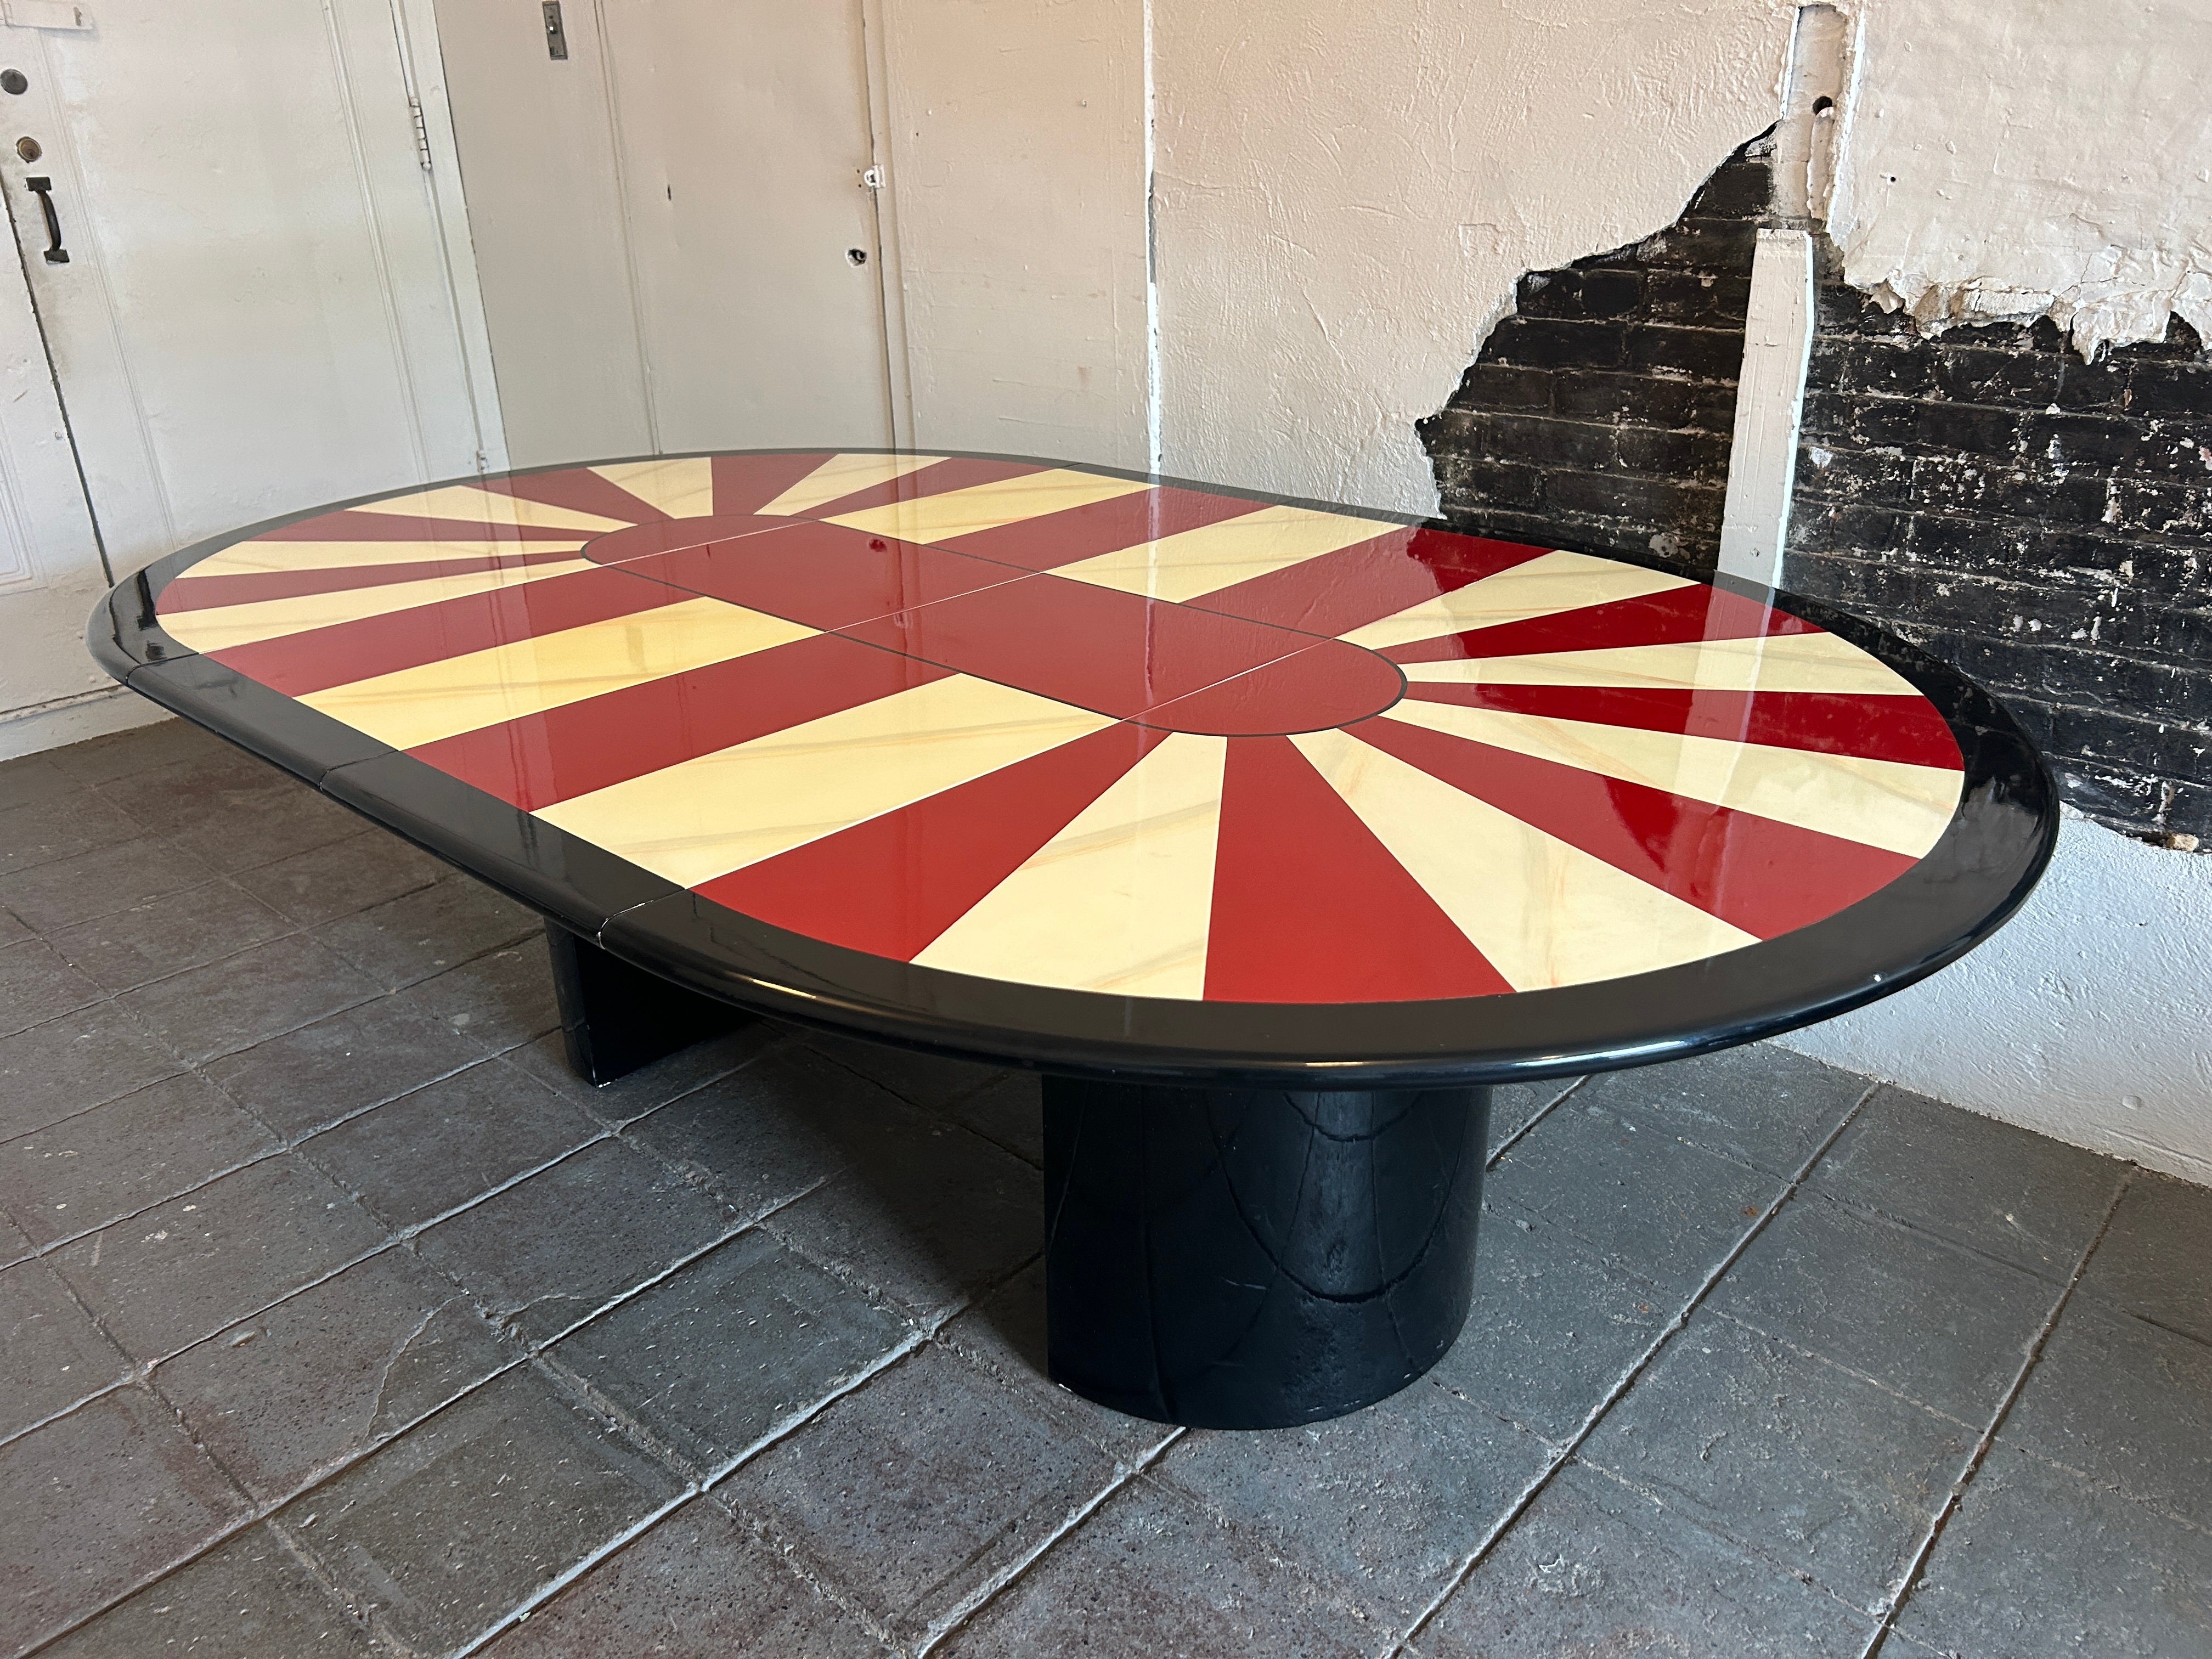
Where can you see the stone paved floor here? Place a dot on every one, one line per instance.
(336, 1318)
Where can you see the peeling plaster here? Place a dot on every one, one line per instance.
(2039, 158)
(1348, 194)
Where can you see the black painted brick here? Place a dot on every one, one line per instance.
(1967, 429)
(1702, 244)
(2169, 388)
(1501, 386)
(1674, 454)
(1547, 443)
(1646, 501)
(1668, 405)
(1557, 342)
(1598, 293)
(1978, 374)
(1701, 298)
(1899, 370)
(2058, 554)
(1698, 353)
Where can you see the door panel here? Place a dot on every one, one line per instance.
(255, 315)
(50, 571)
(742, 128)
(545, 214)
(662, 222)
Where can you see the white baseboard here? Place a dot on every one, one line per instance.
(72, 719)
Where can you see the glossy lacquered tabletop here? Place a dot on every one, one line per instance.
(1113, 774)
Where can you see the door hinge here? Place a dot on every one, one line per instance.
(422, 133)
(871, 178)
(43, 14)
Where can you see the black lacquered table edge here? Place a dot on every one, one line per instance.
(1324, 1161)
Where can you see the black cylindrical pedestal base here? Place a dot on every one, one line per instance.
(1250, 1259)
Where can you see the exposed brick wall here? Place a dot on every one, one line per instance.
(2042, 523)
(1598, 413)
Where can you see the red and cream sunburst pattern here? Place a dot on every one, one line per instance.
(1058, 727)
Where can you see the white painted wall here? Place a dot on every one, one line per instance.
(1347, 191)
(2041, 157)
(2085, 1018)
(1017, 153)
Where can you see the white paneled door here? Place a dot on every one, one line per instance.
(254, 313)
(229, 220)
(673, 221)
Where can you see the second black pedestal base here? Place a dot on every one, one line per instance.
(616, 1018)
(1251, 1259)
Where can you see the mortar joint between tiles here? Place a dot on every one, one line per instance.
(1901, 1593)
(1566, 1454)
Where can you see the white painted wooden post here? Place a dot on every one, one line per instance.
(1777, 346)
(1778, 334)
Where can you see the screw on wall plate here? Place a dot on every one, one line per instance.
(858, 255)
(13, 81)
(28, 149)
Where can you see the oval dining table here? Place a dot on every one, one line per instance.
(1273, 833)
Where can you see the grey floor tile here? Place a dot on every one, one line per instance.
(1761, 1105)
(498, 1002)
(2152, 1262)
(424, 1153)
(1795, 1459)
(36, 986)
(1514, 1106)
(324, 1375)
(694, 1584)
(340, 1064)
(28, 779)
(926, 1080)
(2128, 1405)
(119, 1158)
(343, 876)
(741, 1340)
(240, 1001)
(1005, 1334)
(62, 826)
(555, 1249)
(14, 1246)
(1949, 1327)
(98, 1502)
(157, 936)
(1594, 1569)
(786, 1123)
(443, 1532)
(70, 892)
(197, 1264)
(2021, 1197)
(237, 812)
(1386, 1503)
(652, 1086)
(13, 927)
(917, 1489)
(51, 1355)
(163, 742)
(2038, 1564)
(1009, 1114)
(429, 930)
(1166, 1579)
(78, 1060)
(249, 1595)
(1655, 1207)
(1552, 1328)
(929, 1215)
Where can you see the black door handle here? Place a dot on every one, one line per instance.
(44, 189)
